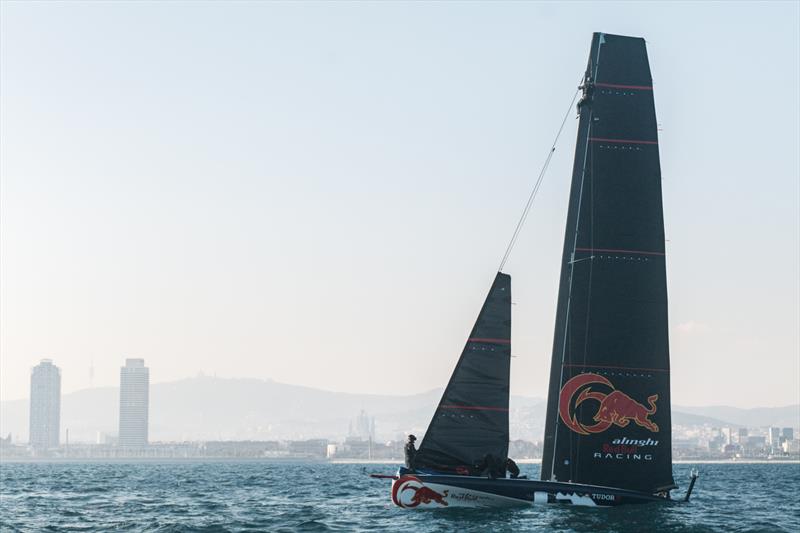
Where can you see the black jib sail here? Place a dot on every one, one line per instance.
(472, 418)
(608, 410)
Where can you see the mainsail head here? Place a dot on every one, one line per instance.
(608, 412)
(471, 420)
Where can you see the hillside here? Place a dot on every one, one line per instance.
(206, 408)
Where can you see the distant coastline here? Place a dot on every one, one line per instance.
(156, 460)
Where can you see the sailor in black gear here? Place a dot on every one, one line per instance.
(490, 467)
(411, 452)
(512, 468)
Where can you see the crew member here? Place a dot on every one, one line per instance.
(588, 92)
(411, 452)
(512, 468)
(490, 467)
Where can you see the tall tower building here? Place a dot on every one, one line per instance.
(134, 392)
(774, 436)
(45, 414)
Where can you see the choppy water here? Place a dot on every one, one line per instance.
(263, 496)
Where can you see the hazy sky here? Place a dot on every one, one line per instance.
(320, 193)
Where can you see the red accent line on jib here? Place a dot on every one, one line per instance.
(493, 341)
(615, 86)
(474, 408)
(620, 141)
(615, 251)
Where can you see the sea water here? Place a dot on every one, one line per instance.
(275, 496)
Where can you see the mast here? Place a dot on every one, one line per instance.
(608, 411)
(472, 417)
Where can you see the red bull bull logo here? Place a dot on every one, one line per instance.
(410, 492)
(615, 407)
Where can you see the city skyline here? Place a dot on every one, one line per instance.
(321, 194)
(204, 408)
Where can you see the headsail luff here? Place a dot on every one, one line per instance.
(472, 417)
(608, 413)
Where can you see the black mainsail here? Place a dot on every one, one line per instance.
(608, 410)
(472, 417)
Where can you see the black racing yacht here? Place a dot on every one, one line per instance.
(607, 436)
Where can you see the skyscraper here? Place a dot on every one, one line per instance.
(45, 414)
(134, 392)
(774, 436)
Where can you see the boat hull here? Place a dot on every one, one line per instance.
(431, 491)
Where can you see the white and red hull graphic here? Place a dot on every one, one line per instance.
(411, 491)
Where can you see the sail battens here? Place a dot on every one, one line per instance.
(490, 341)
(474, 407)
(590, 365)
(616, 86)
(618, 251)
(621, 141)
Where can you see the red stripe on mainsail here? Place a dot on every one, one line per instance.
(615, 251)
(493, 341)
(589, 365)
(620, 141)
(473, 407)
(615, 86)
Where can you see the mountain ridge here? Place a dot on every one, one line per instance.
(213, 408)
